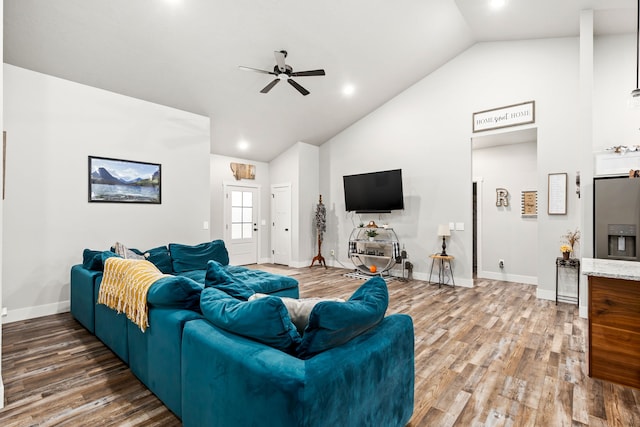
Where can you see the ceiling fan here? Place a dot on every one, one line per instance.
(283, 71)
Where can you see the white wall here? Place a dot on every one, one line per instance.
(1, 181)
(614, 79)
(505, 234)
(221, 174)
(426, 131)
(307, 201)
(299, 167)
(52, 126)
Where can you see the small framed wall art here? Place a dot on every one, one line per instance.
(124, 181)
(557, 193)
(529, 204)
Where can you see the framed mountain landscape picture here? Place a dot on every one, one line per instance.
(124, 181)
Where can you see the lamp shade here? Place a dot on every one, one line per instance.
(443, 230)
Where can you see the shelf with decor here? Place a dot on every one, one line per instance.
(373, 250)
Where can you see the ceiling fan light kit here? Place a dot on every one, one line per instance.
(282, 71)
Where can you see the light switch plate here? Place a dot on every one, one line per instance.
(459, 226)
(452, 226)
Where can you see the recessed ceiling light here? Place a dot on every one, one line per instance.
(348, 90)
(173, 1)
(243, 145)
(497, 4)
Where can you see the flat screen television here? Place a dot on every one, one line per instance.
(375, 192)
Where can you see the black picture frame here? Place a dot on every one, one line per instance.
(124, 181)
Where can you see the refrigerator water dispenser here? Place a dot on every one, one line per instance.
(622, 241)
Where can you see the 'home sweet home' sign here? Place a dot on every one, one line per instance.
(511, 115)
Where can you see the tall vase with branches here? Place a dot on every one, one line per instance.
(572, 237)
(320, 221)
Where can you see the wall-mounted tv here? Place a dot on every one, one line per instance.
(375, 192)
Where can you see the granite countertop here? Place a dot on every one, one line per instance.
(615, 269)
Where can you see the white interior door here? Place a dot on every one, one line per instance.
(281, 224)
(241, 208)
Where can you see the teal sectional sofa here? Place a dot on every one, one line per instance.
(215, 359)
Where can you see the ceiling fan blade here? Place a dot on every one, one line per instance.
(268, 87)
(280, 55)
(298, 87)
(308, 73)
(256, 70)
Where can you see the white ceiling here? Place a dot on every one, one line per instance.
(186, 53)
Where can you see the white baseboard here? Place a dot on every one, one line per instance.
(584, 312)
(517, 278)
(37, 311)
(546, 294)
(299, 264)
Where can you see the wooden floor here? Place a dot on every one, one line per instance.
(489, 356)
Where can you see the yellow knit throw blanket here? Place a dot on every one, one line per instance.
(124, 287)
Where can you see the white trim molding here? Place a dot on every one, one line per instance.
(36, 311)
(517, 278)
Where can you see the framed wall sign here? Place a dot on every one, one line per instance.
(123, 181)
(529, 204)
(557, 203)
(511, 115)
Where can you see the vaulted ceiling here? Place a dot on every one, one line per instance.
(186, 53)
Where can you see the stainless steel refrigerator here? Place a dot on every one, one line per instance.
(616, 218)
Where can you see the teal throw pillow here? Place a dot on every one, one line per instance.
(161, 258)
(94, 260)
(218, 277)
(187, 258)
(175, 292)
(264, 320)
(332, 324)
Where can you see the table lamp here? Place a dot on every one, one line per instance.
(444, 232)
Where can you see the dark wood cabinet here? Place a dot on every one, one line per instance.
(614, 330)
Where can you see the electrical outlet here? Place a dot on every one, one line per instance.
(333, 252)
(4, 311)
(501, 263)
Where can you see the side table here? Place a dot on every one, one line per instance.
(443, 260)
(572, 263)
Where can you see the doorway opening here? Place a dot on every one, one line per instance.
(505, 241)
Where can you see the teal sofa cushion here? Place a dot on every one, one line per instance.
(218, 277)
(187, 258)
(332, 324)
(175, 292)
(265, 320)
(161, 258)
(94, 260)
(232, 381)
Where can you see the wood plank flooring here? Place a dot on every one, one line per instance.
(493, 355)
